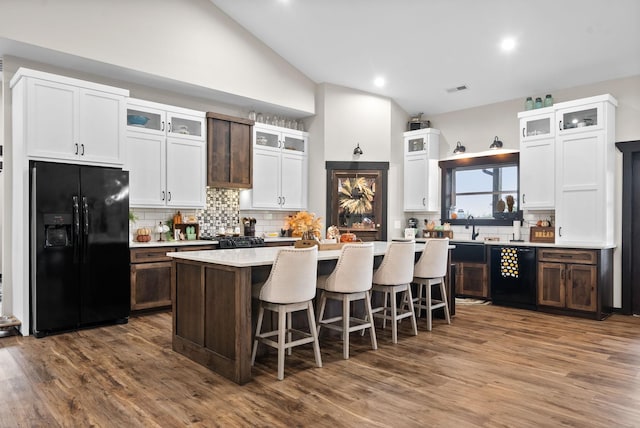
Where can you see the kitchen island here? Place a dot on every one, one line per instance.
(211, 293)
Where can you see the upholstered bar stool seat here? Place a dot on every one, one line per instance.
(392, 277)
(350, 281)
(290, 287)
(430, 271)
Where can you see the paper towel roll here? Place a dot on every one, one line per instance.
(516, 230)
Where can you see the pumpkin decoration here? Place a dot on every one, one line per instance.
(143, 234)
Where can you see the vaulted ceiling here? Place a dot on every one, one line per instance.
(423, 48)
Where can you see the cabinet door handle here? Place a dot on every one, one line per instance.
(82, 147)
(523, 202)
(279, 200)
(560, 125)
(523, 133)
(169, 126)
(284, 200)
(560, 231)
(163, 195)
(168, 196)
(424, 204)
(162, 125)
(76, 148)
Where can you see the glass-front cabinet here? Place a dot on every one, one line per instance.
(537, 124)
(145, 116)
(581, 115)
(273, 137)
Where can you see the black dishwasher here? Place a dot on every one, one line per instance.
(513, 276)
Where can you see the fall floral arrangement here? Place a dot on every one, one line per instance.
(305, 225)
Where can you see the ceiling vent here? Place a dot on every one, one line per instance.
(457, 89)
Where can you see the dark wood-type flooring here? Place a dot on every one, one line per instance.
(492, 367)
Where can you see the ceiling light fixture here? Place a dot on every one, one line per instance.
(497, 144)
(508, 44)
(459, 148)
(379, 81)
(357, 151)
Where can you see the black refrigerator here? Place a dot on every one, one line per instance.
(79, 249)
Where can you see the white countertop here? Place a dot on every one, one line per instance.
(200, 242)
(528, 244)
(260, 256)
(151, 244)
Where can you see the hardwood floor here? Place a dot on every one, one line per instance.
(492, 367)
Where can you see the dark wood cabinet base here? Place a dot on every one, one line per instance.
(212, 317)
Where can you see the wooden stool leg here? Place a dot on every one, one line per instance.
(372, 330)
(384, 312)
(323, 303)
(345, 327)
(255, 341)
(429, 310)
(289, 350)
(413, 312)
(282, 326)
(443, 291)
(394, 318)
(314, 334)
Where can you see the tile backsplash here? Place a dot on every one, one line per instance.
(222, 210)
(504, 233)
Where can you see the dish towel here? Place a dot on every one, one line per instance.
(509, 262)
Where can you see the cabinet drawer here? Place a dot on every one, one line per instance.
(197, 248)
(588, 257)
(157, 254)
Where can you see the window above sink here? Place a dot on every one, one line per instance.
(484, 187)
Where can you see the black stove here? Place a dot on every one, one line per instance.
(240, 242)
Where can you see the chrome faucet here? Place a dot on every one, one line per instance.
(474, 234)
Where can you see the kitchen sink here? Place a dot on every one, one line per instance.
(473, 252)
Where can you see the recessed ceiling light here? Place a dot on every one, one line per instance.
(508, 44)
(379, 81)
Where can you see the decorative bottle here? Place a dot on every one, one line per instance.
(538, 103)
(548, 100)
(528, 104)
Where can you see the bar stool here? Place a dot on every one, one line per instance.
(429, 271)
(350, 281)
(290, 287)
(394, 276)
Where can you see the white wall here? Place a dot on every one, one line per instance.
(476, 127)
(352, 117)
(345, 117)
(188, 41)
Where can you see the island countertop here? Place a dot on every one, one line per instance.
(260, 256)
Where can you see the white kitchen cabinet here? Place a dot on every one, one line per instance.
(584, 115)
(421, 171)
(186, 173)
(279, 170)
(585, 166)
(537, 159)
(166, 156)
(70, 120)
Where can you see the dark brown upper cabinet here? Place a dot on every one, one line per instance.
(229, 151)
